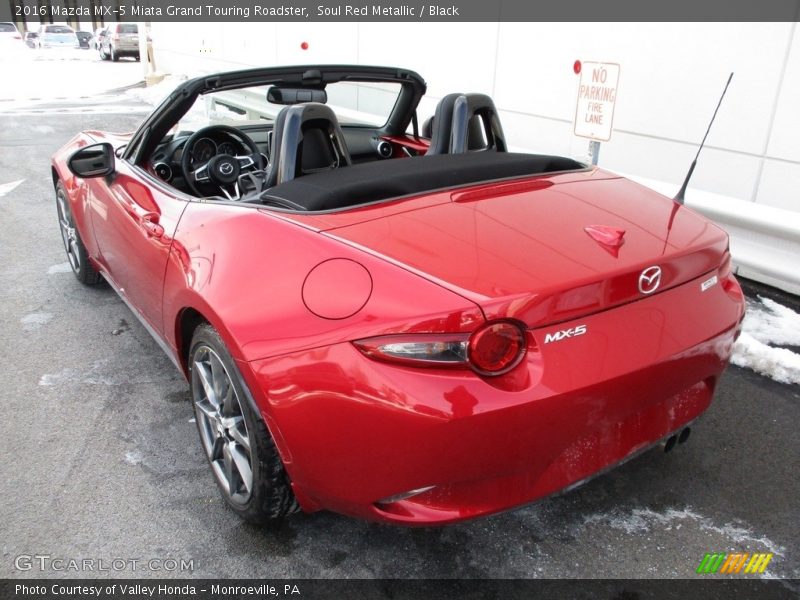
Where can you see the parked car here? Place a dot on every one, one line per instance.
(10, 36)
(84, 39)
(409, 330)
(97, 39)
(121, 39)
(31, 39)
(57, 36)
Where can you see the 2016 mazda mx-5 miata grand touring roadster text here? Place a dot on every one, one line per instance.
(397, 322)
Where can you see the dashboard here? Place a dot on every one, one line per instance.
(166, 160)
(364, 145)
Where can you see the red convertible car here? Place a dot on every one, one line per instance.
(402, 323)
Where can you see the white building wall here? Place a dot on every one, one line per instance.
(671, 77)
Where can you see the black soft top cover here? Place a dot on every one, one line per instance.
(382, 180)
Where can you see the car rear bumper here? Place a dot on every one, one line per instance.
(127, 49)
(356, 435)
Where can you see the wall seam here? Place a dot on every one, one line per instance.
(774, 112)
(496, 58)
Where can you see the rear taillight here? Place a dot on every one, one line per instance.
(419, 350)
(17, 37)
(115, 37)
(496, 348)
(493, 349)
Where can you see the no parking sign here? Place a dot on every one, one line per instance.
(597, 95)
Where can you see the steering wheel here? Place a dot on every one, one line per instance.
(220, 170)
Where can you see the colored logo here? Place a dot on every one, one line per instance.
(734, 563)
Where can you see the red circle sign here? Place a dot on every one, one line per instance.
(577, 67)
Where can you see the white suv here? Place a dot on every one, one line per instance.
(10, 36)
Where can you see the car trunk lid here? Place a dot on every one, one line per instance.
(546, 251)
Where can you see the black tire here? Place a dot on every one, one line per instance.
(103, 55)
(270, 497)
(73, 244)
(114, 55)
(138, 58)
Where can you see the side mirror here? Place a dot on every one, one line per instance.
(92, 161)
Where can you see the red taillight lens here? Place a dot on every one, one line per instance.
(493, 349)
(496, 348)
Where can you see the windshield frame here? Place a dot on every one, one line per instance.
(160, 122)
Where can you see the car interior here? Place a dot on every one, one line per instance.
(306, 159)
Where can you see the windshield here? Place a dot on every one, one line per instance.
(356, 103)
(58, 29)
(7, 28)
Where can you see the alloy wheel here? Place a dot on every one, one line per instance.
(68, 232)
(223, 430)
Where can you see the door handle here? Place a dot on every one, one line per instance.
(149, 222)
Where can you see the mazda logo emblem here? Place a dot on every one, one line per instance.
(649, 280)
(226, 168)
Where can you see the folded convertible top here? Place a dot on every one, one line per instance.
(382, 180)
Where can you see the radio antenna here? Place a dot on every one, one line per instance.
(679, 197)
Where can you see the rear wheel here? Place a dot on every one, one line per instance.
(138, 58)
(76, 251)
(243, 458)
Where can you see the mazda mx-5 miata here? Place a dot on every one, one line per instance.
(397, 322)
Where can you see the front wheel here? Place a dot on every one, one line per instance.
(243, 458)
(114, 55)
(76, 251)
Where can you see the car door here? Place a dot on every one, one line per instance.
(134, 219)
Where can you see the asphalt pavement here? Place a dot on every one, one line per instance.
(101, 459)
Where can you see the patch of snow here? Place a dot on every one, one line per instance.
(59, 268)
(43, 129)
(154, 94)
(772, 323)
(192, 420)
(34, 321)
(222, 113)
(92, 376)
(779, 364)
(8, 187)
(47, 75)
(134, 457)
(768, 322)
(100, 372)
(740, 535)
(643, 520)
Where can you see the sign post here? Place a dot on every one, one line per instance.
(597, 96)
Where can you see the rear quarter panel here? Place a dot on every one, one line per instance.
(244, 271)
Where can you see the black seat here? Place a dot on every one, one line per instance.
(465, 123)
(441, 125)
(427, 128)
(306, 139)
